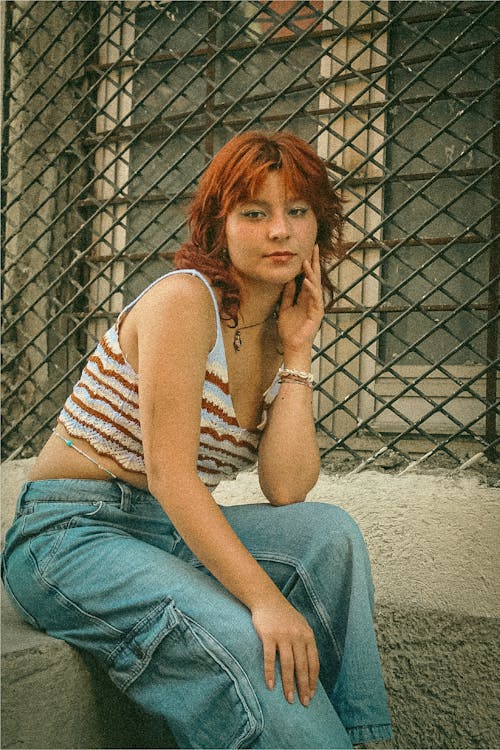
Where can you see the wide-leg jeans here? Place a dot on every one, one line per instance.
(100, 565)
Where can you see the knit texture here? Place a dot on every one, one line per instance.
(103, 408)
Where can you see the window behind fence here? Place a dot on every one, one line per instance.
(113, 110)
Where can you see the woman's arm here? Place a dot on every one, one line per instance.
(288, 452)
(175, 327)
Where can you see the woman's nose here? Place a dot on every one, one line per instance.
(278, 229)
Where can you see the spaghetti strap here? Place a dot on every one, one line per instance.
(191, 272)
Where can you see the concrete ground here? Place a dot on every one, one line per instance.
(432, 539)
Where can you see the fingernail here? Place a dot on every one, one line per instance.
(289, 697)
(270, 684)
(305, 701)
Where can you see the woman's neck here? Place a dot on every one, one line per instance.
(257, 303)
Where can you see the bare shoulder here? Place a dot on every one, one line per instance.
(178, 305)
(183, 296)
(183, 290)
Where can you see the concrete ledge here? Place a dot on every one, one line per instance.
(432, 541)
(55, 697)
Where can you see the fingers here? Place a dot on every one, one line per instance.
(313, 300)
(287, 671)
(302, 674)
(314, 290)
(299, 666)
(312, 271)
(288, 295)
(269, 663)
(312, 268)
(283, 630)
(312, 280)
(313, 663)
(315, 261)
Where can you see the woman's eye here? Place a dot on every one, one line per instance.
(298, 211)
(253, 214)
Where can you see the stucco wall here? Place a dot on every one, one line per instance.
(432, 542)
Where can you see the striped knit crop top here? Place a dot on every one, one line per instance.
(103, 408)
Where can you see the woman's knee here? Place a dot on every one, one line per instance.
(331, 526)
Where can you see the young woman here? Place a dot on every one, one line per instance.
(246, 626)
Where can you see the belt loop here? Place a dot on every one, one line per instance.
(22, 495)
(126, 499)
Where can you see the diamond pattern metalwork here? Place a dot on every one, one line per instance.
(113, 109)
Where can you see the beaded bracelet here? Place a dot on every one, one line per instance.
(295, 376)
(299, 381)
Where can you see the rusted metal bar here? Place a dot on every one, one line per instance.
(402, 242)
(83, 255)
(361, 28)
(200, 106)
(437, 365)
(158, 130)
(493, 273)
(381, 309)
(195, 144)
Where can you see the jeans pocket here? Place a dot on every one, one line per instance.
(172, 667)
(133, 654)
(43, 548)
(48, 526)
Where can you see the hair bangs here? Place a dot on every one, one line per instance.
(235, 175)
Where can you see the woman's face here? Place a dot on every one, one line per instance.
(270, 236)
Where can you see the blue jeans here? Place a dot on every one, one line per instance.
(100, 565)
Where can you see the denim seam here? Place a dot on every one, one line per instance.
(306, 581)
(22, 495)
(310, 590)
(62, 529)
(177, 539)
(22, 531)
(98, 504)
(255, 723)
(66, 601)
(16, 603)
(26, 510)
(145, 657)
(369, 733)
(139, 625)
(368, 726)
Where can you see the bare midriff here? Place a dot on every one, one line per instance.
(60, 461)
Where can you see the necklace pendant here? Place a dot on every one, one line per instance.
(237, 341)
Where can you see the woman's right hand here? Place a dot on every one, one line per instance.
(170, 423)
(285, 631)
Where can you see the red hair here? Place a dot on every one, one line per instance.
(235, 175)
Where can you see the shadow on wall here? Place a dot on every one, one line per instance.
(433, 544)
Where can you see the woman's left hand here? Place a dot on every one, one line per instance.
(299, 323)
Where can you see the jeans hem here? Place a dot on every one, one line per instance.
(372, 733)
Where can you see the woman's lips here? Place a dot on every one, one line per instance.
(281, 256)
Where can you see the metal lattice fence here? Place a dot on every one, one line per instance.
(113, 109)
